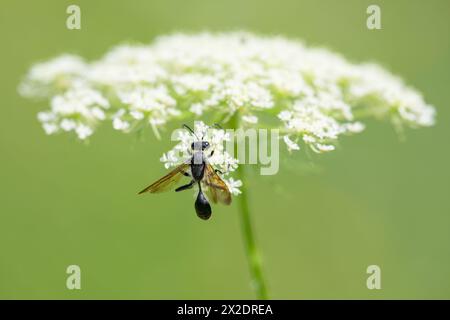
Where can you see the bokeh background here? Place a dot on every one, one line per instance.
(320, 222)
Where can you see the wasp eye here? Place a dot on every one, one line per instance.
(205, 145)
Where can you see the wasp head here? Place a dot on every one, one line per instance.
(200, 145)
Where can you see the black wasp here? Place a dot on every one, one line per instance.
(201, 173)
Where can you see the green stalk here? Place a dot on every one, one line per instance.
(251, 248)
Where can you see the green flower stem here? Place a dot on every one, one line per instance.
(251, 248)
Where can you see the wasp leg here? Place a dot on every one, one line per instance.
(211, 154)
(186, 186)
(221, 172)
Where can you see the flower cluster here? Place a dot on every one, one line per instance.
(314, 95)
(220, 159)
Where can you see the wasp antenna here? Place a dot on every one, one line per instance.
(218, 126)
(207, 127)
(190, 130)
(215, 125)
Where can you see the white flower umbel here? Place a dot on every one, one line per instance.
(53, 77)
(317, 96)
(78, 109)
(220, 159)
(312, 96)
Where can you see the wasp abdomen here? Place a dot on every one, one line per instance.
(202, 206)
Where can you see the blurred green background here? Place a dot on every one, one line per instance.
(320, 222)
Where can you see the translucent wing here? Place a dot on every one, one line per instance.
(168, 181)
(217, 189)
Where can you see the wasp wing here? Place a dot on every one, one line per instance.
(217, 189)
(168, 181)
